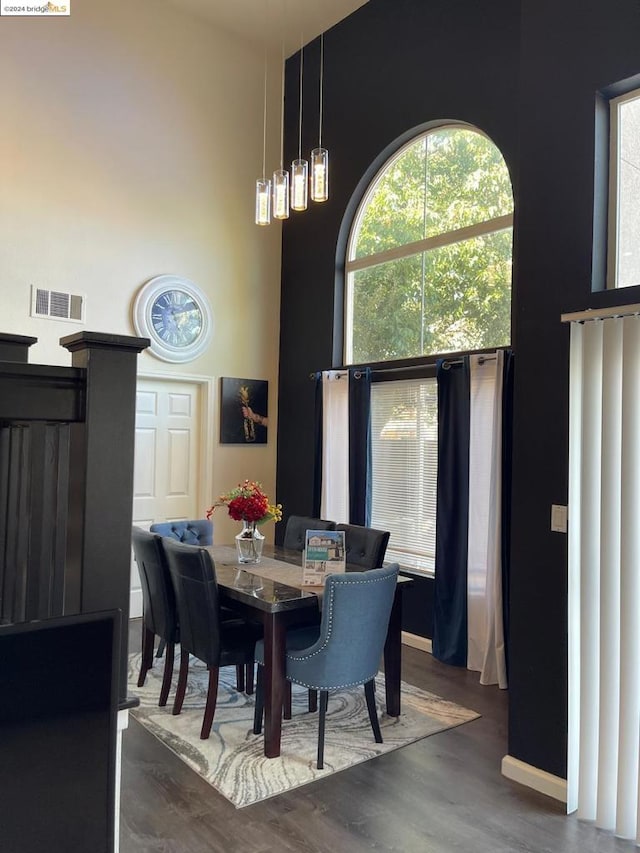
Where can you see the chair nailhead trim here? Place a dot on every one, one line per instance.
(331, 607)
(336, 686)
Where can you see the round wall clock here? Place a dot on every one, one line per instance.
(175, 315)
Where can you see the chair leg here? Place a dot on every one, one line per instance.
(212, 696)
(161, 647)
(259, 709)
(168, 673)
(249, 667)
(240, 678)
(313, 701)
(286, 705)
(146, 661)
(324, 701)
(370, 695)
(181, 689)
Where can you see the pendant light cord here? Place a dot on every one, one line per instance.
(264, 123)
(321, 88)
(282, 113)
(300, 103)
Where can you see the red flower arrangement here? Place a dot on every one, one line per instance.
(247, 502)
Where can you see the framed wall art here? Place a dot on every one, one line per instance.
(243, 411)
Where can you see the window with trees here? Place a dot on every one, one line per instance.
(624, 191)
(429, 257)
(428, 272)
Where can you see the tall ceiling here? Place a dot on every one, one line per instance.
(269, 21)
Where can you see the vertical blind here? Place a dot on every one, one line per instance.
(604, 573)
(404, 436)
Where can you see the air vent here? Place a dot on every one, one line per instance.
(57, 305)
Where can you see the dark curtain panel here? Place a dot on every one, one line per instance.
(507, 445)
(450, 588)
(360, 446)
(317, 449)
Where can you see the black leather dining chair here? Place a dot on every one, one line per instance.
(364, 546)
(159, 614)
(199, 532)
(297, 526)
(203, 633)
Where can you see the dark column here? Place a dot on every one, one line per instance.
(15, 347)
(101, 479)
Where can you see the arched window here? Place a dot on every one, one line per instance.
(429, 255)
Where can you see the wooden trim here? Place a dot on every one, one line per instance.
(534, 777)
(601, 313)
(416, 642)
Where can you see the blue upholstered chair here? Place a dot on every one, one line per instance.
(159, 605)
(364, 546)
(346, 649)
(297, 526)
(203, 633)
(197, 532)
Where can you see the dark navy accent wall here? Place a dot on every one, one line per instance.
(570, 51)
(527, 74)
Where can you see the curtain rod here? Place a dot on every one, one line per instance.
(600, 313)
(340, 372)
(343, 371)
(481, 360)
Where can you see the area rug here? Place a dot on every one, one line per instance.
(232, 760)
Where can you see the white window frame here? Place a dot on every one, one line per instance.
(447, 238)
(613, 217)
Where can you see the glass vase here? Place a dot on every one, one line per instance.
(249, 543)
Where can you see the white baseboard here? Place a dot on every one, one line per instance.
(533, 777)
(135, 603)
(416, 642)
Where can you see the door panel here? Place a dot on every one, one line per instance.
(167, 458)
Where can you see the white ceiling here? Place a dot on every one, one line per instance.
(268, 21)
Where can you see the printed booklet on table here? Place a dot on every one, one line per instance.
(324, 554)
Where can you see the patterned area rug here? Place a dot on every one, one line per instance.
(232, 760)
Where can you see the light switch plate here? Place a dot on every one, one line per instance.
(558, 518)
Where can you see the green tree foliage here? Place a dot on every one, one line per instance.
(450, 298)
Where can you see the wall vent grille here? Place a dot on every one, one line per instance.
(57, 305)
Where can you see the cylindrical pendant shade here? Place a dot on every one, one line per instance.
(319, 174)
(263, 202)
(281, 194)
(299, 187)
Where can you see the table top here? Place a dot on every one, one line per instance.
(274, 584)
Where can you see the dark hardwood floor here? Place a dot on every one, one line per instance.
(442, 794)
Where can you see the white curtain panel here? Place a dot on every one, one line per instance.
(486, 652)
(604, 574)
(335, 446)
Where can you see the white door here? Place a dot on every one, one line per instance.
(167, 471)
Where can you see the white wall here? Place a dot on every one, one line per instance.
(130, 141)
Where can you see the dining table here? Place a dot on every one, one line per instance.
(272, 591)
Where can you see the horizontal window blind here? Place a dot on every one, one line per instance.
(404, 434)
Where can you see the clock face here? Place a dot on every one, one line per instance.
(176, 318)
(175, 315)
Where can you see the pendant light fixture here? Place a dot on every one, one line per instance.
(320, 155)
(281, 176)
(263, 186)
(299, 167)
